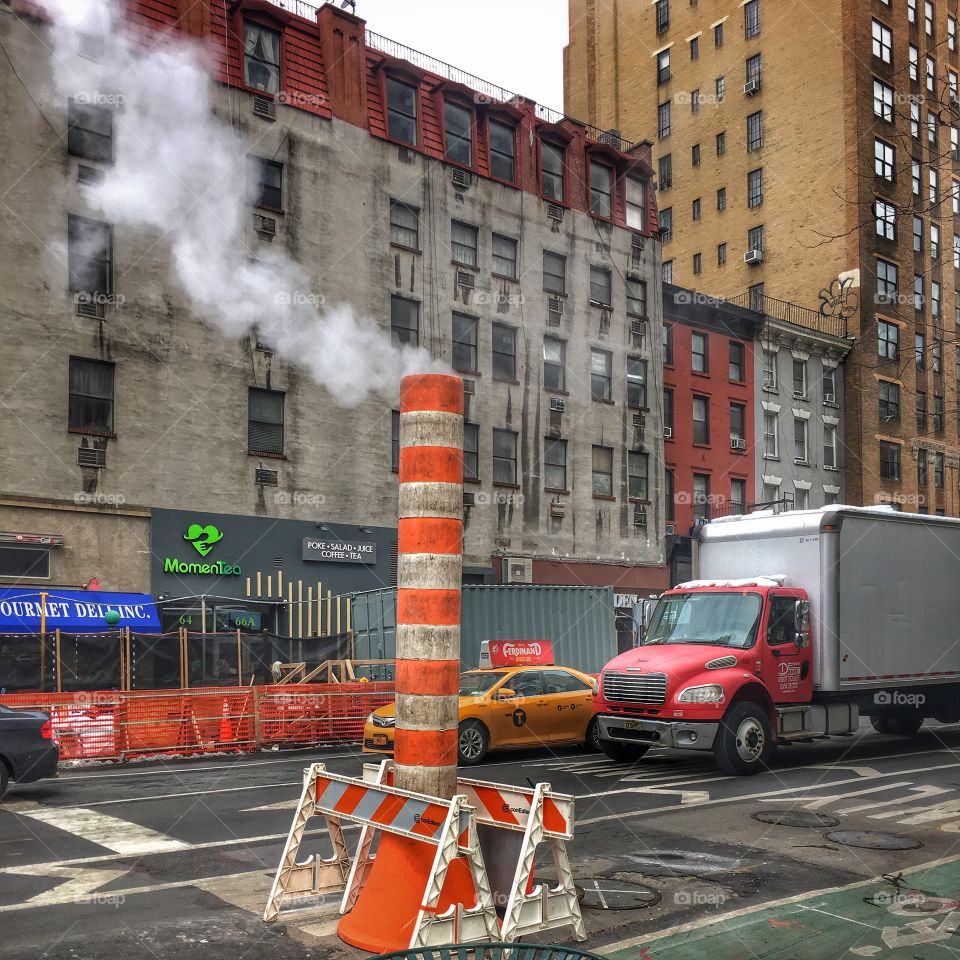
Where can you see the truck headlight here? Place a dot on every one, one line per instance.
(708, 693)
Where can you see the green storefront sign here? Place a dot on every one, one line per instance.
(203, 538)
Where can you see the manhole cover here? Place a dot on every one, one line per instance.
(607, 893)
(795, 818)
(871, 840)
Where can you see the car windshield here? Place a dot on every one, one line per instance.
(477, 682)
(723, 619)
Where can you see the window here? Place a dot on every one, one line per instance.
(736, 357)
(471, 451)
(695, 155)
(265, 421)
(505, 257)
(931, 74)
(937, 470)
(694, 48)
(697, 264)
(800, 378)
(738, 496)
(405, 321)
(665, 171)
(934, 186)
(601, 367)
(458, 133)
(636, 297)
(889, 460)
(90, 130)
(918, 292)
(554, 363)
(830, 446)
(801, 501)
(755, 188)
(915, 177)
(915, 120)
(719, 87)
(89, 255)
(666, 271)
(769, 370)
(883, 101)
(889, 400)
(668, 345)
(919, 350)
(882, 42)
(503, 151)
(932, 128)
(663, 67)
(799, 440)
(922, 480)
(265, 185)
(917, 235)
(721, 254)
(886, 218)
(954, 192)
(464, 243)
(751, 18)
(601, 289)
(261, 58)
(695, 101)
(754, 67)
(668, 411)
(404, 225)
(555, 464)
(756, 297)
(552, 161)
(663, 15)
(701, 495)
(952, 34)
(663, 120)
(505, 457)
(888, 340)
(395, 440)
(718, 35)
(934, 298)
(695, 211)
(636, 204)
(666, 225)
(928, 17)
(601, 190)
(401, 111)
(722, 198)
(770, 438)
(912, 11)
(638, 469)
(636, 382)
(938, 413)
(954, 143)
(504, 352)
(721, 140)
(554, 272)
(938, 357)
(91, 395)
(830, 386)
(755, 131)
(603, 471)
(755, 238)
(737, 422)
(18, 562)
(886, 281)
(956, 250)
(701, 419)
(464, 343)
(914, 67)
(699, 349)
(921, 406)
(884, 160)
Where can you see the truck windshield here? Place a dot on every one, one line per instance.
(723, 619)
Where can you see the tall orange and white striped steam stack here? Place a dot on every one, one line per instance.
(430, 558)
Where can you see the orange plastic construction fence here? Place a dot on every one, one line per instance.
(112, 725)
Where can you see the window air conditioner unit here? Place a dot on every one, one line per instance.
(92, 456)
(669, 530)
(668, 433)
(464, 278)
(829, 398)
(638, 328)
(469, 388)
(557, 405)
(557, 509)
(265, 226)
(639, 515)
(751, 87)
(637, 244)
(89, 306)
(555, 305)
(555, 211)
(267, 478)
(553, 432)
(738, 443)
(461, 179)
(517, 570)
(87, 174)
(468, 498)
(639, 420)
(753, 256)
(264, 107)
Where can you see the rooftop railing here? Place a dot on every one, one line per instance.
(834, 326)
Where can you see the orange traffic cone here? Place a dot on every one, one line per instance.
(386, 911)
(226, 729)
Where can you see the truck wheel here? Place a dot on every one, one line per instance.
(622, 752)
(591, 741)
(905, 723)
(881, 723)
(744, 743)
(473, 741)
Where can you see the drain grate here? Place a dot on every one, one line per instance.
(795, 818)
(871, 840)
(608, 893)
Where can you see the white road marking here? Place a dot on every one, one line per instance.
(297, 784)
(819, 802)
(942, 811)
(920, 793)
(78, 884)
(600, 896)
(112, 833)
(282, 805)
(860, 771)
(836, 916)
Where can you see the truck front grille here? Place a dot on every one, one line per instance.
(635, 687)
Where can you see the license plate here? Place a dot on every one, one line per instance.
(379, 739)
(633, 724)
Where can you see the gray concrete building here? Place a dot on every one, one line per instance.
(515, 245)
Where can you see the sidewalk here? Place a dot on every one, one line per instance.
(915, 919)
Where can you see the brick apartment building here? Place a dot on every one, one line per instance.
(514, 244)
(812, 159)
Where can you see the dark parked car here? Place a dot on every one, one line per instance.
(28, 751)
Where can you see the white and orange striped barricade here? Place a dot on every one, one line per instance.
(448, 825)
(538, 816)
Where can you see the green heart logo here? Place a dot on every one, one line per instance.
(203, 538)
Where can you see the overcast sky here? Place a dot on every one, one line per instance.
(517, 44)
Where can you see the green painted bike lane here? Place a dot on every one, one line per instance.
(916, 919)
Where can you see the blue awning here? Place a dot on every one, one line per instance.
(76, 611)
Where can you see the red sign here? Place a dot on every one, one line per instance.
(519, 653)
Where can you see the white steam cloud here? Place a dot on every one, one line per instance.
(180, 171)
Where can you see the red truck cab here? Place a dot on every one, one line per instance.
(720, 660)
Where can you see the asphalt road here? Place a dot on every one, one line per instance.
(174, 860)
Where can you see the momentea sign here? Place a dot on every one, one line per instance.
(339, 551)
(216, 569)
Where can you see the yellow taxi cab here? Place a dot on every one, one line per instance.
(509, 706)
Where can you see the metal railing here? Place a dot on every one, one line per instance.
(299, 7)
(792, 313)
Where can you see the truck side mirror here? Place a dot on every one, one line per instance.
(801, 622)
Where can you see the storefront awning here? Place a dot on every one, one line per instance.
(76, 611)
